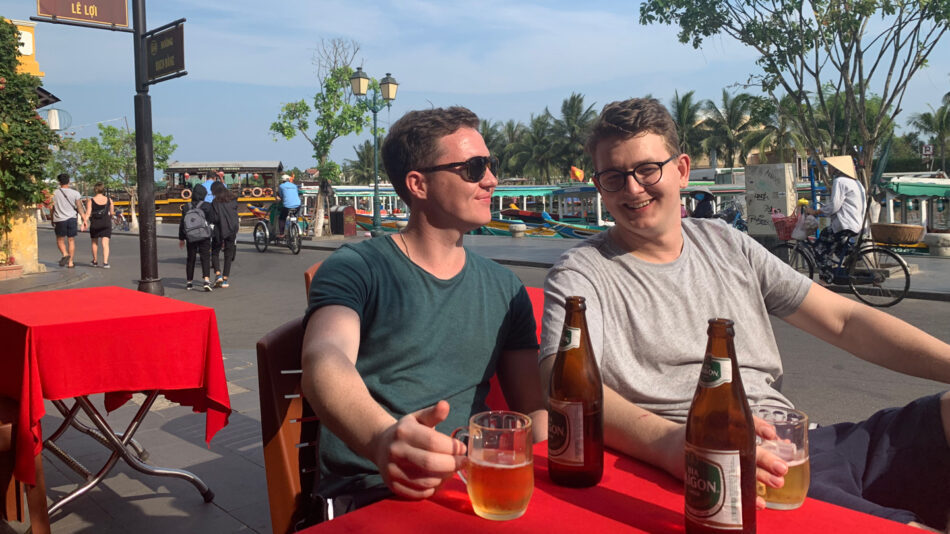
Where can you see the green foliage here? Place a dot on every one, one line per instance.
(534, 152)
(360, 170)
(727, 125)
(25, 139)
(856, 47)
(335, 111)
(570, 132)
(108, 158)
(936, 124)
(686, 115)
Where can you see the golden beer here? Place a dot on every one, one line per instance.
(499, 491)
(792, 494)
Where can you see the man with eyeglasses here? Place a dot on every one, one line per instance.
(403, 332)
(654, 280)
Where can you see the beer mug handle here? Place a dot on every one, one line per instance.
(461, 434)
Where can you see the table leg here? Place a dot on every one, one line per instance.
(71, 420)
(119, 443)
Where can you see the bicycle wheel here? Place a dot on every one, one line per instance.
(795, 258)
(879, 277)
(293, 237)
(260, 236)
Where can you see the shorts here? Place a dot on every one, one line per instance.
(894, 465)
(67, 228)
(97, 229)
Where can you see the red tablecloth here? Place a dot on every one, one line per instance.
(68, 343)
(632, 497)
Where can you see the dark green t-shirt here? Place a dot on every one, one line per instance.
(422, 339)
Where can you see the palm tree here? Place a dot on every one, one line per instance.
(361, 168)
(511, 132)
(685, 112)
(778, 134)
(728, 125)
(534, 151)
(937, 124)
(570, 131)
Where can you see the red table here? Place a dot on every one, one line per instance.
(77, 342)
(632, 497)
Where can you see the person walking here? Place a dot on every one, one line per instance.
(224, 235)
(200, 246)
(98, 218)
(67, 205)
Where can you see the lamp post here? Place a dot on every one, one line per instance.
(359, 82)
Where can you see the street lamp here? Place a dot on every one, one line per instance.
(359, 82)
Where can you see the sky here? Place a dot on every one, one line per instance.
(502, 59)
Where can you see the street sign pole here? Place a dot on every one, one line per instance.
(144, 159)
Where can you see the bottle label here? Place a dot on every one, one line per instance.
(716, 372)
(570, 338)
(713, 487)
(566, 432)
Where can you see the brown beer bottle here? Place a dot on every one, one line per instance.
(576, 413)
(720, 443)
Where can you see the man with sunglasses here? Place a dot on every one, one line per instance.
(404, 332)
(654, 279)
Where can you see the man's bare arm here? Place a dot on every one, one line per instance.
(412, 457)
(872, 335)
(520, 380)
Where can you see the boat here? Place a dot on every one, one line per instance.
(572, 230)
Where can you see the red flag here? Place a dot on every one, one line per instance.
(577, 174)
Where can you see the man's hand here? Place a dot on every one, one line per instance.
(413, 458)
(770, 469)
(181, 243)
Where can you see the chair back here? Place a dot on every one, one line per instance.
(289, 428)
(496, 399)
(308, 277)
(11, 490)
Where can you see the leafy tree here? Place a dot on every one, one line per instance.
(511, 132)
(686, 115)
(25, 139)
(728, 125)
(856, 46)
(777, 135)
(570, 132)
(336, 111)
(935, 123)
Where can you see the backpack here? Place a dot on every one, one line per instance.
(196, 224)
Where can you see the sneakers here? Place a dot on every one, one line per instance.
(105, 266)
(218, 281)
(225, 284)
(94, 263)
(189, 286)
(207, 286)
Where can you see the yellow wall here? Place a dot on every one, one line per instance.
(22, 240)
(28, 62)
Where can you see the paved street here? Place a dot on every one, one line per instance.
(266, 290)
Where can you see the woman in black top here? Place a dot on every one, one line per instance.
(225, 208)
(99, 211)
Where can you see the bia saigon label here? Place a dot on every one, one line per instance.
(570, 338)
(566, 432)
(713, 487)
(716, 372)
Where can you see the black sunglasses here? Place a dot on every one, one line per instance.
(471, 170)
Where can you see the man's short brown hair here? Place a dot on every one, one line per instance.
(629, 118)
(413, 142)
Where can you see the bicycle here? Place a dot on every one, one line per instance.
(118, 220)
(731, 212)
(877, 276)
(264, 230)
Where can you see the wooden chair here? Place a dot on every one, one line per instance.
(308, 277)
(289, 428)
(11, 490)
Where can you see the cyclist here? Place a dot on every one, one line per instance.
(846, 209)
(289, 195)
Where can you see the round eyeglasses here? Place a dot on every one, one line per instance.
(646, 173)
(471, 170)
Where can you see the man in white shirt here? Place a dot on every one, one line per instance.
(846, 209)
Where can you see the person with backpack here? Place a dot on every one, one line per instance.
(225, 232)
(195, 229)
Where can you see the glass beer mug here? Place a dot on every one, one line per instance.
(500, 469)
(791, 426)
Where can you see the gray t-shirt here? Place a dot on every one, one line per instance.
(64, 204)
(648, 321)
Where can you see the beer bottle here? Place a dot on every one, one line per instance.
(576, 414)
(720, 443)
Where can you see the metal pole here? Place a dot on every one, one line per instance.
(377, 230)
(144, 159)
